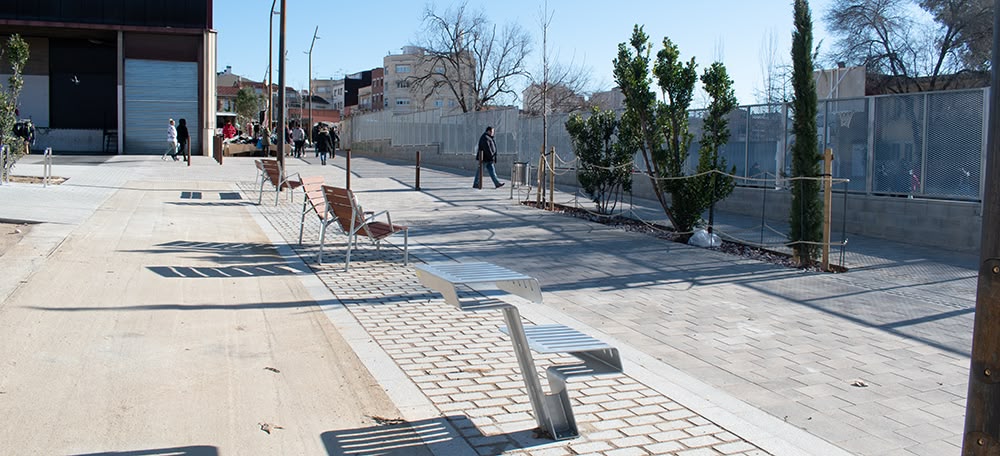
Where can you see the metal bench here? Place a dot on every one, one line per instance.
(553, 412)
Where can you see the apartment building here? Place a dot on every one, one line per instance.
(332, 90)
(402, 95)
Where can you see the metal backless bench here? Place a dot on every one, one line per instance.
(553, 411)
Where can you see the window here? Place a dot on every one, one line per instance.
(438, 103)
(452, 103)
(439, 70)
(402, 84)
(402, 68)
(402, 102)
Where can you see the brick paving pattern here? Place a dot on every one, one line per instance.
(467, 368)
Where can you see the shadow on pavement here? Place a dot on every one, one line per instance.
(424, 437)
(149, 307)
(227, 272)
(198, 450)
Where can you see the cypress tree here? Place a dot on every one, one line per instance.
(806, 216)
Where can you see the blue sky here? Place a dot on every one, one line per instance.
(354, 36)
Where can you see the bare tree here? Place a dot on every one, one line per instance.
(968, 24)
(555, 87)
(472, 58)
(774, 72)
(885, 37)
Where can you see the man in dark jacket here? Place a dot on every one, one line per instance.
(324, 144)
(487, 155)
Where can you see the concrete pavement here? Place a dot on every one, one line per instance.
(723, 355)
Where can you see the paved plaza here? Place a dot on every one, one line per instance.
(158, 294)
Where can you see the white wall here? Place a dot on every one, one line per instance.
(34, 99)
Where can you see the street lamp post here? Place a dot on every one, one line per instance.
(281, 82)
(310, 93)
(270, 53)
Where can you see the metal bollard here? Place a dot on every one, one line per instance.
(47, 166)
(418, 171)
(347, 155)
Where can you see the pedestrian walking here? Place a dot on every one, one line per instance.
(171, 141)
(299, 139)
(324, 144)
(487, 156)
(183, 140)
(315, 134)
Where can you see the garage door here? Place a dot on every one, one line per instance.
(155, 91)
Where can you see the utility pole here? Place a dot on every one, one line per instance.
(281, 84)
(309, 127)
(982, 410)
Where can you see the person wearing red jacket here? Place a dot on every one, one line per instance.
(228, 131)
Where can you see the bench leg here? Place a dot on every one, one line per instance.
(322, 237)
(260, 194)
(512, 317)
(302, 223)
(347, 262)
(562, 423)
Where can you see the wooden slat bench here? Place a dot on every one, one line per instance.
(343, 210)
(271, 171)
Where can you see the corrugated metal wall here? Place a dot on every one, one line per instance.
(156, 91)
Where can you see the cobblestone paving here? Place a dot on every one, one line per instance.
(467, 368)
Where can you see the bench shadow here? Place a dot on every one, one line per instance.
(196, 450)
(424, 437)
(227, 272)
(250, 254)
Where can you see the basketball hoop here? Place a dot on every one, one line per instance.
(845, 118)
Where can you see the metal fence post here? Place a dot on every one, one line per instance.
(418, 171)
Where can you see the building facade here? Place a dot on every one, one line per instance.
(104, 76)
(332, 90)
(403, 95)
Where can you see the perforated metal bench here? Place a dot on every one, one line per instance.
(553, 412)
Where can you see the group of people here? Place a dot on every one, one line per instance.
(325, 140)
(178, 139)
(324, 137)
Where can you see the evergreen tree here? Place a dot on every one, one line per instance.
(716, 186)
(605, 157)
(659, 129)
(247, 106)
(806, 218)
(17, 56)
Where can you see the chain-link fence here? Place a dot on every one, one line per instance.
(920, 145)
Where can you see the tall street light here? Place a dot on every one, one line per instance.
(310, 93)
(270, 52)
(281, 82)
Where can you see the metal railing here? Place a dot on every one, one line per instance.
(929, 144)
